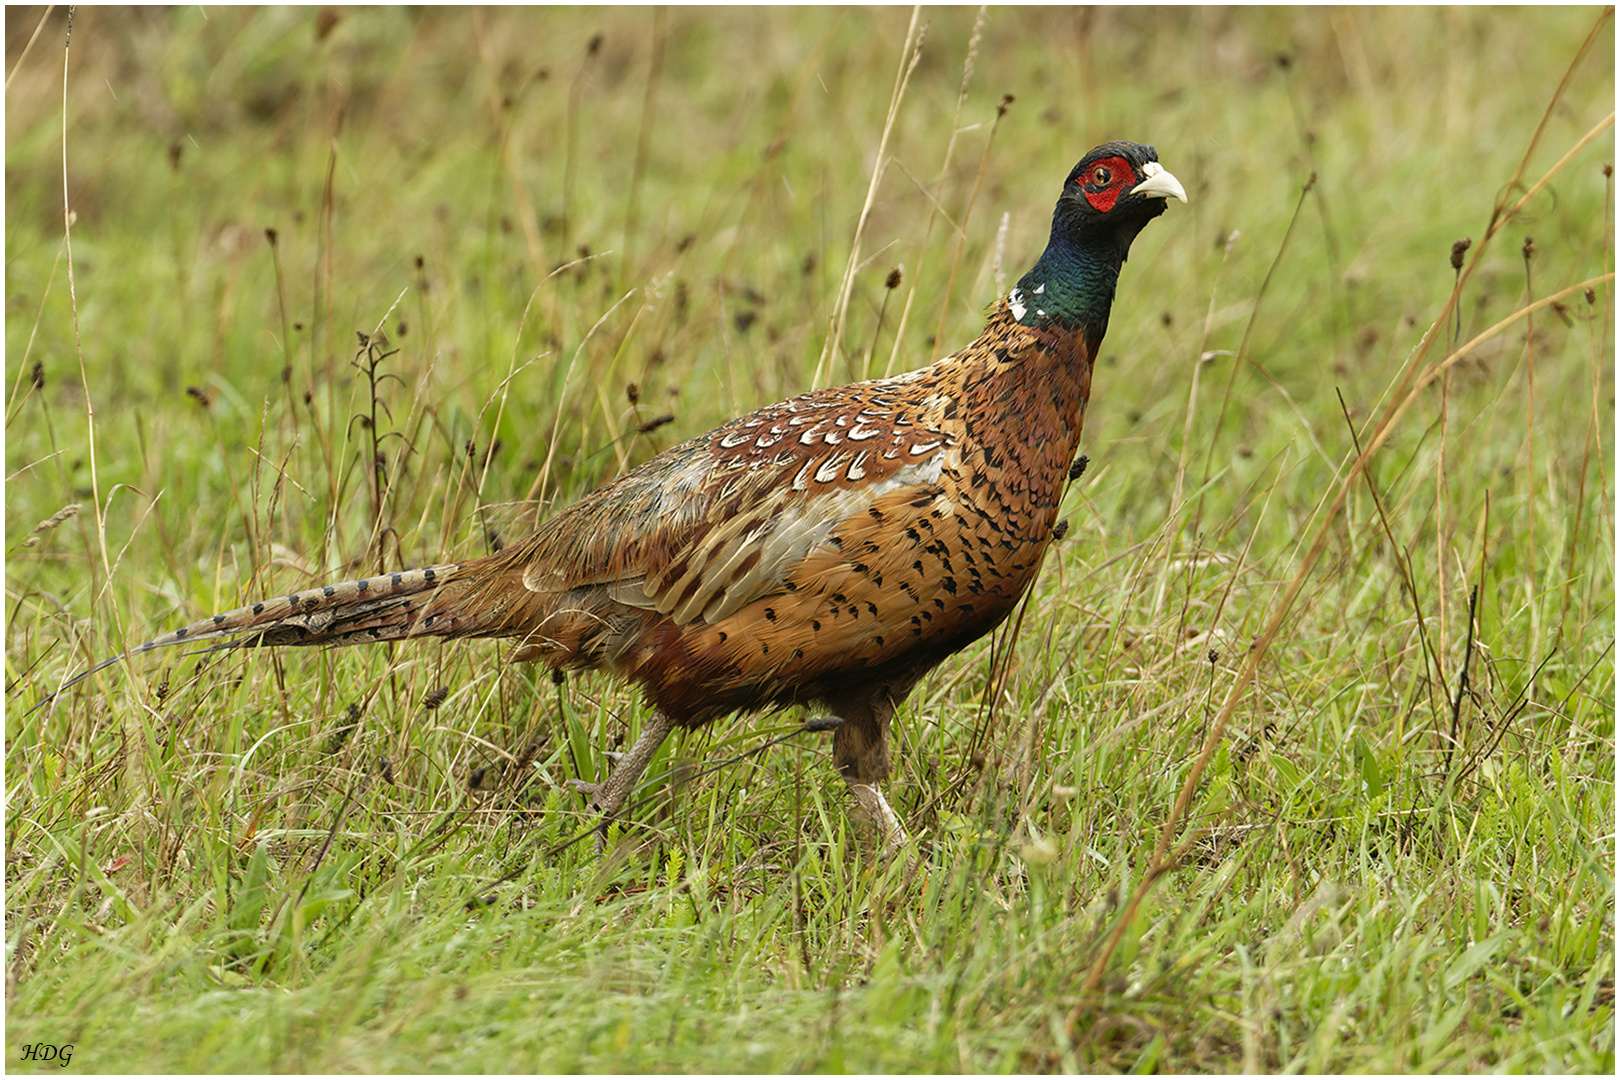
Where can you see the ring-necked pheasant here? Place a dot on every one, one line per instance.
(830, 548)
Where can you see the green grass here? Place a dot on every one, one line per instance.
(262, 861)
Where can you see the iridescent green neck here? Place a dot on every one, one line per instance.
(1070, 288)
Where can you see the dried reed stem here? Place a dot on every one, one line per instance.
(1412, 379)
(910, 53)
(936, 211)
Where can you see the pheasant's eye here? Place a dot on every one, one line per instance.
(1104, 181)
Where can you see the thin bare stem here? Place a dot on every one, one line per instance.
(78, 342)
(1160, 864)
(1569, 74)
(1248, 333)
(638, 171)
(910, 53)
(1410, 382)
(967, 212)
(46, 14)
(936, 209)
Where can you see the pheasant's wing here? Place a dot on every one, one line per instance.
(712, 525)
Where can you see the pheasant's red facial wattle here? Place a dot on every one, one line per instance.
(1104, 181)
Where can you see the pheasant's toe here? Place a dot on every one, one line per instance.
(592, 792)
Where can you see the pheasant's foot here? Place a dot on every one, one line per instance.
(591, 791)
(872, 801)
(593, 801)
(607, 797)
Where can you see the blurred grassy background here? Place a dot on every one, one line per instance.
(571, 224)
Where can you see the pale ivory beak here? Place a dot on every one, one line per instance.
(1159, 182)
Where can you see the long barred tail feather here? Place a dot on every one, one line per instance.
(382, 608)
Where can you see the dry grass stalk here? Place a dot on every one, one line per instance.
(1410, 383)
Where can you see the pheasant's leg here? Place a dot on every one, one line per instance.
(861, 752)
(870, 796)
(608, 797)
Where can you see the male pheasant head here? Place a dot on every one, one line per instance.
(1108, 197)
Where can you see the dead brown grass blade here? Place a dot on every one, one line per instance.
(910, 53)
(1409, 383)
